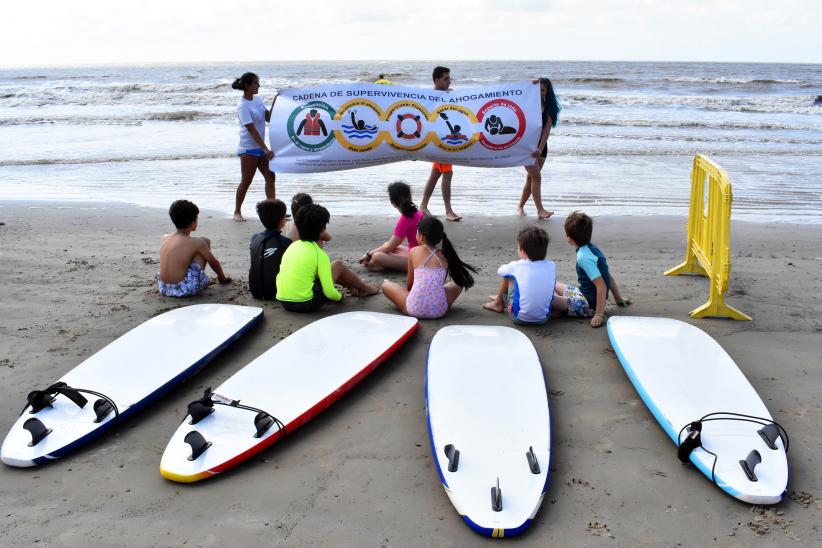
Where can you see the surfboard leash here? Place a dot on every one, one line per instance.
(769, 434)
(199, 409)
(40, 399)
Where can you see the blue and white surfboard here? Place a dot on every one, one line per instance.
(122, 378)
(489, 425)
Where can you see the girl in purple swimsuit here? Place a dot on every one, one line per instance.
(426, 294)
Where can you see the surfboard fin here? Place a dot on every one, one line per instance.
(533, 463)
(453, 455)
(750, 463)
(769, 435)
(262, 422)
(496, 498)
(101, 409)
(198, 444)
(37, 430)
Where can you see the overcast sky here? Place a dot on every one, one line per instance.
(61, 32)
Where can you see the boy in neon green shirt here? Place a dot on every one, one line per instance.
(307, 275)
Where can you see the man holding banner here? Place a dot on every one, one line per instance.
(442, 82)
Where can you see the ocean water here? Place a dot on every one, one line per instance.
(624, 144)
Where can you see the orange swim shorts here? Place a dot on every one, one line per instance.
(444, 168)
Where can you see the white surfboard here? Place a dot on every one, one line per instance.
(123, 377)
(682, 375)
(486, 399)
(290, 384)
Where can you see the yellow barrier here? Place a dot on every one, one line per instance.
(708, 250)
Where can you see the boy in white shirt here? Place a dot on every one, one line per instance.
(528, 285)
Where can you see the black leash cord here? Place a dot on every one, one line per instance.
(729, 416)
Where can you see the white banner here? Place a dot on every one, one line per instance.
(347, 126)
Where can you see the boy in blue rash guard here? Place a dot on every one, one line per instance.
(595, 280)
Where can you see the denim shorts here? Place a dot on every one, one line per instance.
(258, 152)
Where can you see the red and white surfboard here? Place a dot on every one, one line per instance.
(280, 391)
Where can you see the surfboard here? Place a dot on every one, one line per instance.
(489, 425)
(682, 375)
(281, 390)
(122, 378)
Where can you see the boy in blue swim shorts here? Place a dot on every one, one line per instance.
(595, 279)
(183, 257)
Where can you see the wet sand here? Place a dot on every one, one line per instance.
(75, 277)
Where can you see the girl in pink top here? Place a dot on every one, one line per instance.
(391, 255)
(426, 293)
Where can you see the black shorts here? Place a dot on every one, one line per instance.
(544, 153)
(313, 304)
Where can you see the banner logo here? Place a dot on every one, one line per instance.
(308, 126)
(359, 125)
(502, 122)
(406, 125)
(453, 127)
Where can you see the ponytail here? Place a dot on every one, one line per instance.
(433, 231)
(244, 81)
(400, 195)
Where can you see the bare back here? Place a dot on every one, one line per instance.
(177, 252)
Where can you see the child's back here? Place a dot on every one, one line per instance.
(534, 281)
(177, 253)
(267, 249)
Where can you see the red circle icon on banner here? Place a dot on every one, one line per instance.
(502, 122)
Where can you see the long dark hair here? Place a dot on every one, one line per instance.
(244, 81)
(551, 104)
(433, 231)
(400, 195)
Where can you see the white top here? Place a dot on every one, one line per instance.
(534, 289)
(250, 112)
(486, 395)
(682, 374)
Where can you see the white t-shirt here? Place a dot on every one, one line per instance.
(534, 288)
(250, 112)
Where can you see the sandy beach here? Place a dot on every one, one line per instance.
(77, 276)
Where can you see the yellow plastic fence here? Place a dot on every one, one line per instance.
(708, 250)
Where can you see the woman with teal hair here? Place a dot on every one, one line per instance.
(533, 179)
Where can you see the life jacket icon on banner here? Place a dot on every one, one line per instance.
(308, 126)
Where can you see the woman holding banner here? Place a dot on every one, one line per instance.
(533, 179)
(253, 153)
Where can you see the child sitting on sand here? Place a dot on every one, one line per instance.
(299, 200)
(267, 250)
(391, 255)
(307, 276)
(595, 280)
(183, 258)
(527, 287)
(426, 295)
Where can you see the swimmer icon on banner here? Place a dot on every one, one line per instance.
(336, 127)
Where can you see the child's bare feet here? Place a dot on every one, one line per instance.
(494, 305)
(545, 214)
(238, 218)
(370, 289)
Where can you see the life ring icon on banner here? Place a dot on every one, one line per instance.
(308, 126)
(416, 134)
(454, 128)
(406, 120)
(359, 125)
(503, 124)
